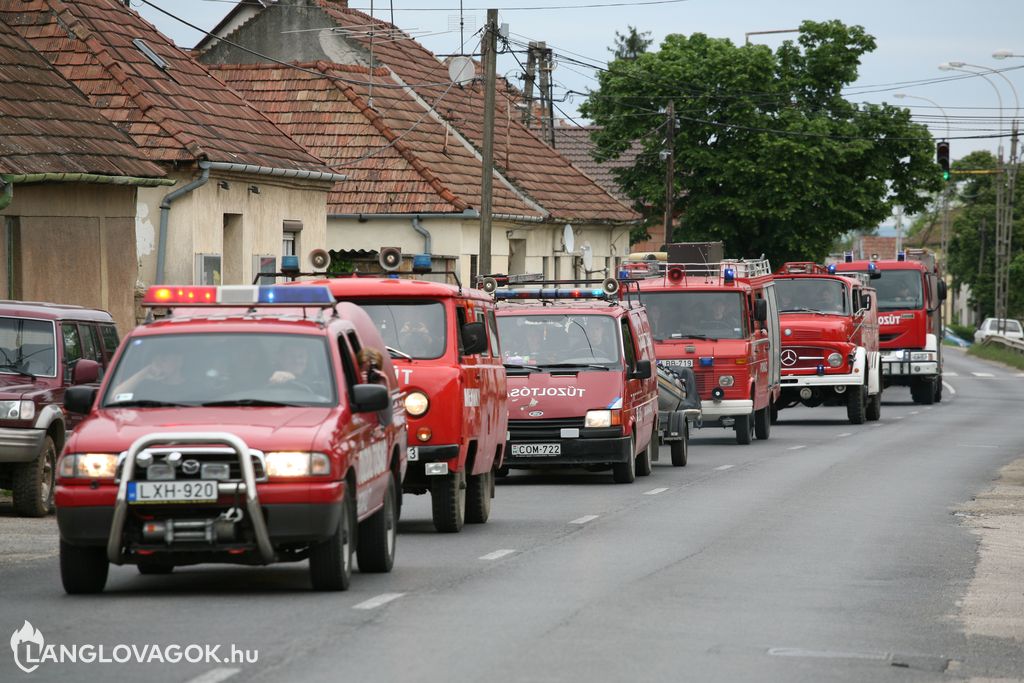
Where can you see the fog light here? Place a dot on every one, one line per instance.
(215, 470)
(436, 468)
(424, 434)
(717, 393)
(160, 471)
(806, 393)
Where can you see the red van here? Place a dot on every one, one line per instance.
(720, 319)
(444, 345)
(240, 429)
(580, 377)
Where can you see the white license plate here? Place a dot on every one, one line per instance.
(412, 453)
(536, 449)
(678, 362)
(172, 492)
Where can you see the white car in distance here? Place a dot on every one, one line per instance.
(1011, 329)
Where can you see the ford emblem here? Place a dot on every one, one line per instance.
(536, 413)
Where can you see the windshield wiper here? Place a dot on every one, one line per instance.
(688, 335)
(395, 353)
(16, 368)
(576, 365)
(247, 402)
(520, 366)
(146, 403)
(799, 309)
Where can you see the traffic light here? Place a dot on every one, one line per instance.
(942, 156)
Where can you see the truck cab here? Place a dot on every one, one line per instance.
(242, 429)
(581, 387)
(910, 294)
(830, 351)
(442, 339)
(721, 319)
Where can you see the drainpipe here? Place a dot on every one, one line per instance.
(8, 195)
(418, 227)
(165, 213)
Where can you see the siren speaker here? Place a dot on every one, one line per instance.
(610, 285)
(390, 258)
(319, 258)
(489, 284)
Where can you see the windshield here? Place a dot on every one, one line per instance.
(415, 328)
(560, 339)
(223, 369)
(811, 294)
(695, 314)
(27, 347)
(898, 290)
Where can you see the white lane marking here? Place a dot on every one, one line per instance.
(382, 599)
(877, 424)
(950, 374)
(795, 448)
(915, 412)
(983, 374)
(949, 388)
(584, 519)
(722, 468)
(214, 675)
(1020, 374)
(497, 554)
(897, 417)
(823, 654)
(654, 492)
(839, 436)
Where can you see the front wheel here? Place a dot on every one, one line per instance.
(83, 569)
(763, 422)
(874, 409)
(32, 483)
(680, 451)
(856, 404)
(644, 460)
(330, 562)
(922, 390)
(448, 502)
(376, 546)
(744, 429)
(625, 472)
(479, 492)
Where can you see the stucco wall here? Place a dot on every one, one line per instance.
(75, 246)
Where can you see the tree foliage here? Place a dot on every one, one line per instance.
(631, 44)
(769, 156)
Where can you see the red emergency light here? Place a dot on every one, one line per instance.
(180, 295)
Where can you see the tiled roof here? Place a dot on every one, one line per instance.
(180, 113)
(46, 126)
(541, 173)
(575, 145)
(885, 247)
(397, 157)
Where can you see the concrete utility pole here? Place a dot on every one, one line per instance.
(1004, 233)
(489, 43)
(549, 66)
(529, 78)
(670, 187)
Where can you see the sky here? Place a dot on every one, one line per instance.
(914, 37)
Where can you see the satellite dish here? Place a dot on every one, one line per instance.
(461, 70)
(588, 257)
(568, 238)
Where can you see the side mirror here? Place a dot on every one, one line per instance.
(370, 398)
(642, 370)
(474, 338)
(79, 400)
(942, 290)
(85, 371)
(865, 300)
(760, 310)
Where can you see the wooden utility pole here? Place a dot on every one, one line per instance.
(549, 66)
(529, 78)
(489, 43)
(545, 78)
(670, 186)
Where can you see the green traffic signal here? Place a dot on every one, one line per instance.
(945, 175)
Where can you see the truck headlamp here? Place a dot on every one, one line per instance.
(17, 410)
(726, 381)
(921, 355)
(88, 465)
(416, 403)
(297, 464)
(602, 418)
(835, 359)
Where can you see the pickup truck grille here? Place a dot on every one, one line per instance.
(202, 457)
(524, 430)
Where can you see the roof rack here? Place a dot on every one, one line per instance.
(727, 269)
(803, 268)
(613, 290)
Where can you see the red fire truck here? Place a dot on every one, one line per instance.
(721, 319)
(444, 344)
(829, 340)
(910, 295)
(581, 385)
(240, 429)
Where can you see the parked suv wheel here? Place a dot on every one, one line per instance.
(32, 483)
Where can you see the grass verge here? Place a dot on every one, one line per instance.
(999, 354)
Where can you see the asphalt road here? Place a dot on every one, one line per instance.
(829, 552)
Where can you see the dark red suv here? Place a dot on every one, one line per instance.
(44, 348)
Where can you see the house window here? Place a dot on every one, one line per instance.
(290, 238)
(208, 269)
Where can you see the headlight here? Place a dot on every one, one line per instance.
(725, 381)
(416, 403)
(297, 464)
(602, 418)
(17, 410)
(89, 465)
(921, 355)
(835, 359)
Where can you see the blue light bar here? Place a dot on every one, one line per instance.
(550, 294)
(901, 256)
(872, 267)
(309, 295)
(707, 361)
(831, 269)
(729, 274)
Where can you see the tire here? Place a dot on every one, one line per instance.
(330, 562)
(625, 472)
(775, 414)
(83, 569)
(644, 461)
(744, 429)
(680, 451)
(479, 491)
(32, 483)
(377, 535)
(874, 408)
(154, 567)
(938, 389)
(763, 422)
(923, 391)
(856, 404)
(448, 502)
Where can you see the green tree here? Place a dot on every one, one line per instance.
(769, 156)
(631, 44)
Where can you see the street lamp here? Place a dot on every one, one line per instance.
(958, 66)
(901, 95)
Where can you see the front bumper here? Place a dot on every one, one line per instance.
(845, 379)
(20, 445)
(575, 452)
(712, 410)
(898, 366)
